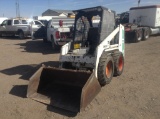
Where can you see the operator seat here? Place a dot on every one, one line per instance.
(93, 39)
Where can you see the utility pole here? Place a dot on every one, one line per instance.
(139, 2)
(48, 4)
(17, 9)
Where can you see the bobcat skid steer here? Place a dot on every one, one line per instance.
(86, 64)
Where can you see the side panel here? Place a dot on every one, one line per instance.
(65, 48)
(9, 27)
(158, 18)
(107, 24)
(2, 29)
(145, 17)
(122, 40)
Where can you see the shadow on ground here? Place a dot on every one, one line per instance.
(26, 71)
(37, 46)
(61, 111)
(19, 90)
(155, 35)
(13, 38)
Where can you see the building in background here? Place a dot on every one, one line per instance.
(49, 14)
(57, 13)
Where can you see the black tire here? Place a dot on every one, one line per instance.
(138, 35)
(21, 35)
(118, 63)
(105, 69)
(146, 34)
(45, 40)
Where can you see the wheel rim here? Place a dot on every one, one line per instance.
(120, 65)
(139, 36)
(109, 69)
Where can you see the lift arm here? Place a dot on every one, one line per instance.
(106, 46)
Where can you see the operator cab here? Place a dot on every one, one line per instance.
(91, 27)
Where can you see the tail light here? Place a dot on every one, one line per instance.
(60, 23)
(57, 34)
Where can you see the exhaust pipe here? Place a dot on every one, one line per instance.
(67, 89)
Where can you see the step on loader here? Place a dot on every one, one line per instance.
(87, 63)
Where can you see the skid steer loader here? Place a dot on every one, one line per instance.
(87, 63)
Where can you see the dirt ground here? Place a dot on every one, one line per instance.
(133, 95)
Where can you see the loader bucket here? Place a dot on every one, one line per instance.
(67, 89)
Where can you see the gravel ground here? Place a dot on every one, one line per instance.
(133, 95)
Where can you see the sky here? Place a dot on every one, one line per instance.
(30, 8)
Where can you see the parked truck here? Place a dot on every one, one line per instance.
(58, 31)
(87, 62)
(17, 26)
(143, 22)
